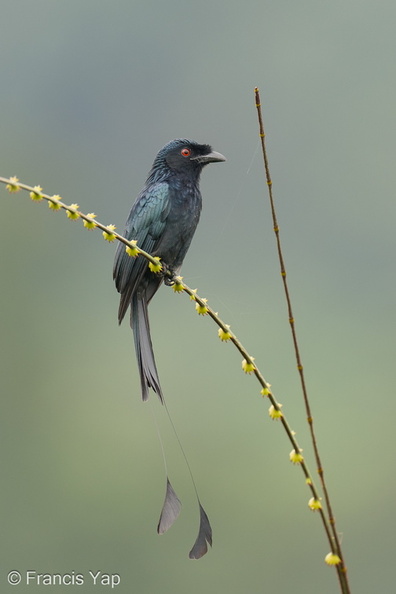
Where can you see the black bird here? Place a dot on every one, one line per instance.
(163, 220)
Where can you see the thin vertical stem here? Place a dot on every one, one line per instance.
(341, 568)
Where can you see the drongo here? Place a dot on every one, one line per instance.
(162, 220)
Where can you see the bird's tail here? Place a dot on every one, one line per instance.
(144, 348)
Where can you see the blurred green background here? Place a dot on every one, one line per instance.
(89, 92)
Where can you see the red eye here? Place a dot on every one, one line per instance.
(185, 152)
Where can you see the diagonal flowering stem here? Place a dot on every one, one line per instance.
(13, 185)
(225, 334)
(248, 363)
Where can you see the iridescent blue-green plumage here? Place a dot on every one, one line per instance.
(162, 220)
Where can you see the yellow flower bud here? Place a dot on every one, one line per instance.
(224, 334)
(296, 457)
(53, 202)
(155, 267)
(332, 559)
(266, 391)
(275, 413)
(132, 251)
(36, 194)
(248, 367)
(90, 224)
(71, 214)
(201, 309)
(13, 186)
(178, 284)
(109, 235)
(314, 504)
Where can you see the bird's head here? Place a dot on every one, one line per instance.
(186, 156)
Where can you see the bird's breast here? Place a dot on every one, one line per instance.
(181, 223)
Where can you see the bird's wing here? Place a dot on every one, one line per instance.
(145, 224)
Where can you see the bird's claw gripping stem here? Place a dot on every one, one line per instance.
(168, 274)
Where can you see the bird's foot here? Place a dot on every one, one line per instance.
(168, 274)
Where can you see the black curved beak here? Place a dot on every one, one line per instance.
(212, 157)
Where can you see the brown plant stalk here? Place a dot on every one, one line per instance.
(341, 568)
